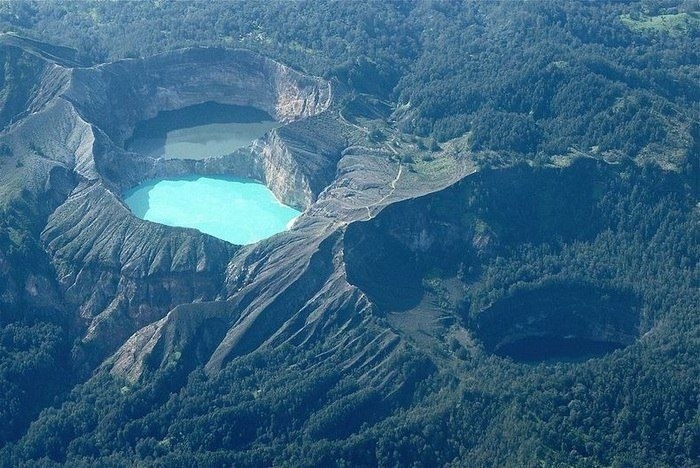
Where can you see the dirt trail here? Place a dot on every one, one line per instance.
(385, 197)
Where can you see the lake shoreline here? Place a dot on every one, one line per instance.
(239, 211)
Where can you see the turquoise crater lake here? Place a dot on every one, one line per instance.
(239, 211)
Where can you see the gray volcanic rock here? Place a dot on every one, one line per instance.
(120, 273)
(116, 96)
(30, 81)
(130, 272)
(188, 332)
(410, 277)
(299, 162)
(293, 288)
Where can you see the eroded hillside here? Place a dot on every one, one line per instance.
(423, 286)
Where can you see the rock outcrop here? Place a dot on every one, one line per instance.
(66, 144)
(117, 95)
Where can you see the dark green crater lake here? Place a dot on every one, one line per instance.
(200, 131)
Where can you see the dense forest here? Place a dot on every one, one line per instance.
(288, 406)
(533, 77)
(528, 81)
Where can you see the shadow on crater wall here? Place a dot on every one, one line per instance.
(384, 268)
(559, 321)
(465, 224)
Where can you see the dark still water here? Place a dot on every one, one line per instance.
(545, 348)
(200, 131)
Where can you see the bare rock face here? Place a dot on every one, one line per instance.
(189, 332)
(30, 81)
(65, 144)
(293, 289)
(297, 164)
(123, 273)
(116, 96)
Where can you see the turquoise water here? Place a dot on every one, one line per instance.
(239, 211)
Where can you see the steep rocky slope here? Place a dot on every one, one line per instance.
(408, 269)
(116, 271)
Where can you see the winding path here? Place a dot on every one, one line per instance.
(391, 148)
(385, 197)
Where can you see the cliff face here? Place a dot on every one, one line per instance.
(337, 280)
(299, 160)
(117, 95)
(122, 273)
(412, 277)
(294, 164)
(117, 272)
(28, 81)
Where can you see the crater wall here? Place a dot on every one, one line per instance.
(468, 232)
(120, 273)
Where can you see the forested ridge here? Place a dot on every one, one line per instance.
(523, 84)
(635, 407)
(528, 77)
